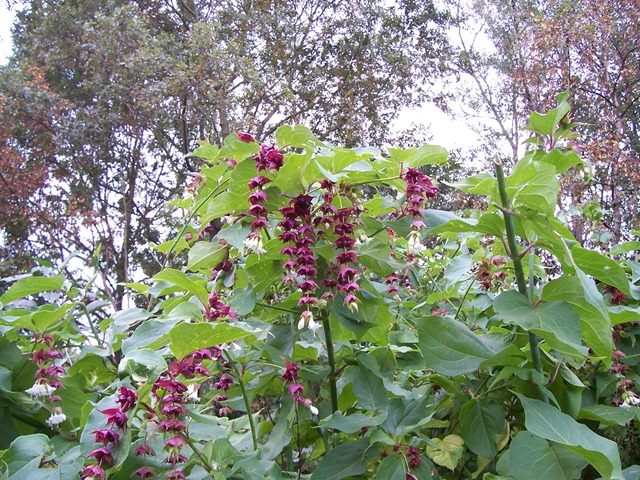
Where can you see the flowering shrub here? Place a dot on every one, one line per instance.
(309, 330)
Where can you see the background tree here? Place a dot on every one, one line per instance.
(519, 53)
(139, 83)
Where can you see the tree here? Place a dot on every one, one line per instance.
(538, 47)
(142, 82)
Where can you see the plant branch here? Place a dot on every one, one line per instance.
(515, 257)
(332, 363)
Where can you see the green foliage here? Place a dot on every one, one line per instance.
(323, 332)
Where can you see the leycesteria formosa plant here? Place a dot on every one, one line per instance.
(315, 318)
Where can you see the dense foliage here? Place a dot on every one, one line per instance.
(328, 324)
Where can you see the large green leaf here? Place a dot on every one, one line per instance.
(481, 422)
(296, 136)
(205, 256)
(30, 286)
(587, 301)
(185, 283)
(547, 123)
(601, 268)
(352, 423)
(391, 467)
(417, 157)
(547, 422)
(24, 449)
(558, 323)
(533, 458)
(450, 348)
(533, 186)
(189, 337)
(369, 388)
(347, 460)
(481, 184)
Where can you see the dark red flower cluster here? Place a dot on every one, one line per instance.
(171, 395)
(419, 188)
(412, 454)
(110, 437)
(617, 297)
(269, 158)
(486, 274)
(223, 383)
(296, 391)
(48, 376)
(299, 233)
(217, 310)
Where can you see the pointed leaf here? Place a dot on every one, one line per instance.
(30, 286)
(481, 423)
(547, 422)
(450, 348)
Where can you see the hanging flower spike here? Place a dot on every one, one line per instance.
(291, 371)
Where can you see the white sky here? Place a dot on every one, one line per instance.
(6, 20)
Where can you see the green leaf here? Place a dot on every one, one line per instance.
(450, 348)
(561, 160)
(224, 204)
(546, 124)
(237, 149)
(558, 323)
(296, 136)
(458, 267)
(447, 451)
(533, 458)
(481, 422)
(601, 268)
(408, 414)
(205, 256)
(625, 247)
(584, 297)
(151, 334)
(24, 449)
(547, 422)
(189, 337)
(346, 460)
(417, 157)
(608, 415)
(377, 258)
(179, 279)
(481, 184)
(391, 468)
(30, 286)
(369, 388)
(533, 186)
(143, 363)
(352, 423)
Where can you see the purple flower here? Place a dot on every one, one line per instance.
(175, 442)
(144, 472)
(107, 436)
(290, 372)
(245, 137)
(295, 390)
(93, 472)
(144, 450)
(116, 416)
(102, 455)
(127, 399)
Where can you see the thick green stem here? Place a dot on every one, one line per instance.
(332, 363)
(515, 257)
(245, 397)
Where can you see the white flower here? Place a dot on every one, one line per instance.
(306, 318)
(361, 238)
(253, 243)
(56, 419)
(414, 245)
(313, 410)
(630, 399)
(40, 390)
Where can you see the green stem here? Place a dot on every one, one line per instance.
(201, 459)
(515, 257)
(332, 363)
(245, 397)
